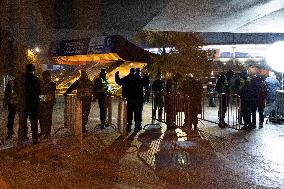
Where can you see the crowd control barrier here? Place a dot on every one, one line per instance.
(174, 108)
(116, 112)
(170, 108)
(72, 116)
(223, 109)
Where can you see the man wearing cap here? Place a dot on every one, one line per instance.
(101, 90)
(84, 87)
(47, 100)
(132, 86)
(28, 89)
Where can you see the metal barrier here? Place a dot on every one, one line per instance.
(116, 112)
(72, 116)
(174, 109)
(115, 108)
(170, 108)
(225, 111)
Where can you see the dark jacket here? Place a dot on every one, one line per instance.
(100, 87)
(258, 91)
(28, 90)
(10, 96)
(246, 97)
(222, 85)
(132, 87)
(84, 87)
(158, 85)
(48, 89)
(193, 88)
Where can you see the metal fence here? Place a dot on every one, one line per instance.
(174, 108)
(72, 117)
(170, 108)
(217, 108)
(115, 108)
(116, 112)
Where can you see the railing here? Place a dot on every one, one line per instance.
(222, 109)
(115, 107)
(170, 108)
(174, 109)
(116, 112)
(72, 117)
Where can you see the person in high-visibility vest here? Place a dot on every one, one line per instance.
(10, 102)
(84, 87)
(47, 100)
(101, 90)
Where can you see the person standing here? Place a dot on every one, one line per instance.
(259, 93)
(28, 89)
(147, 88)
(211, 93)
(272, 85)
(47, 101)
(223, 88)
(101, 90)
(158, 87)
(193, 89)
(246, 99)
(10, 101)
(132, 85)
(84, 87)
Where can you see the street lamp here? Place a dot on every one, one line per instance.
(274, 57)
(37, 49)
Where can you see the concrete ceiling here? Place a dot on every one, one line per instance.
(236, 16)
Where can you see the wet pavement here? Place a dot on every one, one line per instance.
(152, 158)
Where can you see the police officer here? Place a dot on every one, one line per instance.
(28, 89)
(84, 87)
(10, 101)
(47, 100)
(101, 90)
(132, 86)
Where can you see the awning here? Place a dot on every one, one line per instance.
(81, 51)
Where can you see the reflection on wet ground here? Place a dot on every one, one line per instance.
(254, 157)
(153, 158)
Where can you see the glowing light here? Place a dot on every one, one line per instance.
(37, 49)
(274, 56)
(31, 55)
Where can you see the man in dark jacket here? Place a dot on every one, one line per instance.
(47, 100)
(246, 99)
(158, 87)
(101, 90)
(132, 86)
(259, 93)
(193, 89)
(28, 89)
(223, 88)
(84, 87)
(10, 101)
